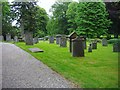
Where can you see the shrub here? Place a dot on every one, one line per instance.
(112, 41)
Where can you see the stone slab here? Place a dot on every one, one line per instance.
(35, 50)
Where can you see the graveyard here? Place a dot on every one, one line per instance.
(95, 70)
(71, 45)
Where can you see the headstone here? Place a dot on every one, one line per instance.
(90, 48)
(77, 47)
(8, 37)
(35, 40)
(94, 45)
(73, 35)
(104, 42)
(84, 42)
(35, 50)
(51, 39)
(16, 39)
(1, 38)
(116, 47)
(28, 38)
(58, 38)
(63, 41)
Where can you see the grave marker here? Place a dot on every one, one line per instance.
(51, 39)
(63, 41)
(116, 47)
(104, 42)
(8, 37)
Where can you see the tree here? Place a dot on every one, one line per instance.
(71, 14)
(59, 13)
(41, 22)
(6, 19)
(114, 14)
(92, 19)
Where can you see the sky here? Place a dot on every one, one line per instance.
(46, 4)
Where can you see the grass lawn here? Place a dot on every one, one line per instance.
(98, 69)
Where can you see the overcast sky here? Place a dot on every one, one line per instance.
(46, 4)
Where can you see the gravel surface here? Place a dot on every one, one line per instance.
(21, 70)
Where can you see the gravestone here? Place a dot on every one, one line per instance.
(63, 41)
(29, 38)
(116, 47)
(73, 35)
(84, 42)
(35, 40)
(51, 39)
(94, 45)
(1, 38)
(58, 38)
(16, 39)
(8, 37)
(90, 48)
(35, 50)
(77, 47)
(104, 42)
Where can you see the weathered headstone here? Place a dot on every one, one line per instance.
(1, 38)
(90, 48)
(63, 41)
(94, 45)
(16, 39)
(28, 38)
(8, 37)
(58, 38)
(104, 42)
(116, 47)
(51, 39)
(35, 40)
(73, 35)
(77, 47)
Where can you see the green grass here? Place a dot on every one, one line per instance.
(98, 69)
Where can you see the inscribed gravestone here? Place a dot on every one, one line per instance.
(94, 44)
(104, 42)
(63, 41)
(58, 38)
(35, 50)
(16, 39)
(35, 40)
(116, 47)
(90, 48)
(8, 37)
(51, 39)
(77, 47)
(28, 38)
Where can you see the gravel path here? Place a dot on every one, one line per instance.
(21, 70)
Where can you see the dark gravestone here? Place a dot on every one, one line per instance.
(104, 42)
(63, 41)
(116, 47)
(8, 37)
(1, 38)
(94, 45)
(28, 38)
(35, 40)
(77, 47)
(16, 39)
(58, 38)
(73, 35)
(90, 48)
(51, 39)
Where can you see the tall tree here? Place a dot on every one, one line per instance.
(114, 14)
(59, 13)
(92, 19)
(71, 15)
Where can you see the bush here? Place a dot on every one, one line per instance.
(112, 41)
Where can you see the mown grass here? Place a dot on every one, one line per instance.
(98, 69)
